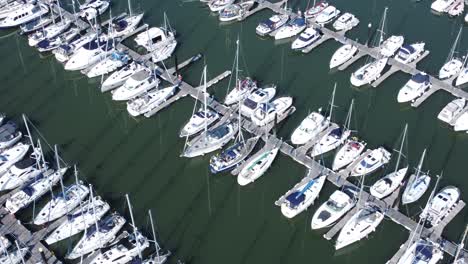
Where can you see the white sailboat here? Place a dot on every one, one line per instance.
(158, 257)
(350, 151)
(122, 27)
(440, 6)
(242, 88)
(60, 205)
(390, 182)
(114, 61)
(371, 162)
(12, 155)
(335, 137)
(372, 70)
(119, 77)
(342, 55)
(48, 32)
(460, 256)
(462, 77)
(302, 197)
(316, 9)
(210, 140)
(9, 135)
(33, 191)
(124, 253)
(65, 51)
(339, 203)
(417, 184)
(89, 54)
(98, 236)
(161, 42)
(257, 166)
(79, 220)
(422, 251)
(218, 5)
(453, 64)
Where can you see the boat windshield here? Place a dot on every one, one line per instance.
(335, 206)
(250, 103)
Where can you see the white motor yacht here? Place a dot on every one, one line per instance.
(302, 197)
(342, 55)
(369, 72)
(333, 209)
(210, 141)
(122, 253)
(256, 166)
(33, 191)
(124, 26)
(292, 28)
(272, 24)
(452, 110)
(218, 5)
(12, 155)
(306, 38)
(235, 11)
(310, 127)
(150, 100)
(451, 68)
(346, 21)
(255, 99)
(161, 42)
(421, 252)
(80, 219)
(268, 112)
(388, 184)
(439, 207)
(48, 32)
(414, 88)
(461, 123)
(361, 224)
(10, 7)
(98, 236)
(24, 14)
(111, 63)
(441, 6)
(327, 15)
(330, 141)
(371, 162)
(409, 53)
(462, 77)
(119, 77)
(456, 9)
(351, 150)
(242, 90)
(89, 54)
(137, 84)
(62, 204)
(93, 8)
(316, 9)
(391, 45)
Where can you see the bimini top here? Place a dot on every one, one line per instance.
(423, 252)
(299, 21)
(295, 199)
(420, 78)
(120, 25)
(219, 132)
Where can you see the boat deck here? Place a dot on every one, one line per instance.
(309, 176)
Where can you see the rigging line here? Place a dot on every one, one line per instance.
(243, 59)
(231, 75)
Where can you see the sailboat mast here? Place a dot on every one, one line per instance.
(332, 104)
(19, 252)
(240, 135)
(94, 214)
(134, 227)
(58, 171)
(401, 147)
(348, 117)
(156, 244)
(461, 246)
(130, 7)
(27, 130)
(455, 44)
(237, 63)
(420, 163)
(204, 96)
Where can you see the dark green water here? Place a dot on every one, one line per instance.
(210, 219)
